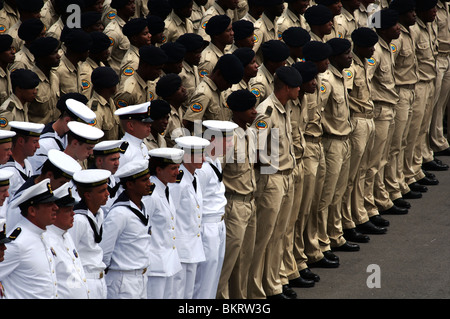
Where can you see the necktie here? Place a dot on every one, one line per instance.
(194, 182)
(167, 193)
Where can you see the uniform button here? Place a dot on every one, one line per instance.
(198, 235)
(198, 206)
(173, 247)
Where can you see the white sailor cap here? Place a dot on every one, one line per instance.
(63, 162)
(6, 136)
(64, 196)
(27, 128)
(80, 112)
(167, 154)
(140, 112)
(132, 170)
(110, 147)
(214, 126)
(37, 194)
(194, 143)
(5, 175)
(84, 132)
(91, 177)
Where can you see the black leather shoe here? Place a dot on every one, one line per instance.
(369, 228)
(434, 166)
(278, 296)
(300, 283)
(428, 174)
(400, 202)
(416, 187)
(379, 221)
(394, 210)
(289, 292)
(308, 274)
(330, 256)
(428, 181)
(324, 263)
(355, 236)
(346, 247)
(445, 152)
(412, 195)
(439, 162)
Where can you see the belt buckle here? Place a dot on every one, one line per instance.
(101, 275)
(144, 271)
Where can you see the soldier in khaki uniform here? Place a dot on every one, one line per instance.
(240, 211)
(295, 38)
(175, 52)
(335, 6)
(275, 185)
(320, 20)
(6, 58)
(119, 42)
(293, 16)
(348, 19)
(219, 7)
(170, 88)
(275, 54)
(243, 35)
(104, 81)
(156, 28)
(178, 22)
(15, 108)
(135, 89)
(362, 14)
(159, 112)
(219, 28)
(43, 109)
(9, 15)
(207, 103)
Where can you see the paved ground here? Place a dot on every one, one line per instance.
(413, 257)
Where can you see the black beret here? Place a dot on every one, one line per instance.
(318, 15)
(308, 70)
(296, 37)
(118, 4)
(231, 68)
(30, 29)
(270, 3)
(155, 24)
(316, 51)
(364, 37)
(100, 42)
(134, 26)
(104, 77)
(90, 18)
(167, 85)
(339, 46)
(178, 4)
(175, 51)
(241, 100)
(159, 109)
(243, 29)
(78, 40)
(387, 18)
(289, 76)
(152, 55)
(5, 42)
(327, 2)
(403, 6)
(24, 78)
(425, 5)
(275, 50)
(192, 41)
(44, 46)
(217, 24)
(61, 104)
(30, 5)
(244, 54)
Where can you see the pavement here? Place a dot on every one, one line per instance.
(410, 261)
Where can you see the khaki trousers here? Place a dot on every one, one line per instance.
(306, 243)
(361, 141)
(337, 158)
(274, 197)
(240, 222)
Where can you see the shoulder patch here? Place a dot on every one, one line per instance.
(15, 233)
(256, 92)
(3, 122)
(93, 122)
(121, 103)
(196, 107)
(151, 96)
(323, 88)
(202, 73)
(204, 24)
(348, 73)
(393, 48)
(2, 28)
(261, 125)
(280, 35)
(85, 84)
(111, 40)
(255, 38)
(179, 176)
(111, 15)
(128, 71)
(371, 61)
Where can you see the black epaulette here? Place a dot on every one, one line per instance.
(11, 106)
(15, 233)
(179, 177)
(269, 111)
(94, 106)
(152, 188)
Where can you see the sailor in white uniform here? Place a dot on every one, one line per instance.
(5, 153)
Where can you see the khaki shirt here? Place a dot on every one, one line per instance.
(313, 110)
(154, 142)
(273, 126)
(262, 84)
(337, 31)
(13, 110)
(175, 27)
(69, 76)
(362, 16)
(119, 42)
(238, 171)
(5, 85)
(105, 119)
(55, 29)
(315, 37)
(207, 104)
(290, 19)
(86, 69)
(175, 127)
(357, 82)
(347, 23)
(335, 104)
(43, 108)
(134, 90)
(48, 14)
(297, 123)
(443, 27)
(381, 74)
(426, 50)
(209, 58)
(196, 16)
(405, 70)
(24, 59)
(190, 79)
(265, 30)
(130, 62)
(13, 31)
(8, 17)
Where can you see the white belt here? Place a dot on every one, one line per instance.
(212, 218)
(95, 275)
(132, 272)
